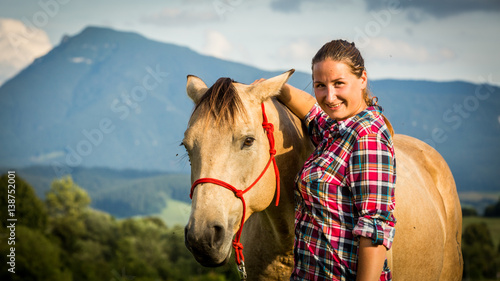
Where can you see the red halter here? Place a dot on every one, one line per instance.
(238, 247)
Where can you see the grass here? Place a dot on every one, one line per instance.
(492, 223)
(479, 201)
(175, 213)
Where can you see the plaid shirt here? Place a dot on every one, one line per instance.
(344, 190)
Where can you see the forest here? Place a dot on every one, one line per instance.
(63, 238)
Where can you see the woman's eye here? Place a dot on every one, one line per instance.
(248, 142)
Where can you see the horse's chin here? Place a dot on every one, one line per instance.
(211, 262)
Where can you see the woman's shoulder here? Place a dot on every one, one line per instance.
(368, 122)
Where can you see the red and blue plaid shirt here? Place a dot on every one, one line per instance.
(344, 190)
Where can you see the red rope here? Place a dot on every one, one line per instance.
(269, 128)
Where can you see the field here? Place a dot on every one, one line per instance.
(175, 213)
(492, 223)
(479, 201)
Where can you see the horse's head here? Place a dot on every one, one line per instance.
(225, 140)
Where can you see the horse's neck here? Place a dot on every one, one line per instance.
(268, 235)
(293, 147)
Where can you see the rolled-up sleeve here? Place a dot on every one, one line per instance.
(372, 174)
(316, 121)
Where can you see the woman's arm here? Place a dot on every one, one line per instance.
(373, 175)
(371, 260)
(298, 101)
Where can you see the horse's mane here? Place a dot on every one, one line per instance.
(221, 101)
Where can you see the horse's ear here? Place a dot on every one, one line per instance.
(271, 87)
(195, 88)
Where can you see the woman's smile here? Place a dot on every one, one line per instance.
(335, 106)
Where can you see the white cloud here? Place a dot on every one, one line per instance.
(286, 6)
(380, 48)
(181, 16)
(217, 45)
(300, 50)
(19, 46)
(296, 54)
(442, 8)
(81, 60)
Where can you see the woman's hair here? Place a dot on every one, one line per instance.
(346, 52)
(343, 51)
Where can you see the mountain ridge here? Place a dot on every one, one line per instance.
(117, 99)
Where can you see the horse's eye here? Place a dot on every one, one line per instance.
(248, 142)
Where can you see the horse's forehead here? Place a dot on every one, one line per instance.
(201, 129)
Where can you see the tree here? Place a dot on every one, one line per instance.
(66, 240)
(66, 198)
(27, 205)
(480, 257)
(37, 258)
(66, 204)
(469, 212)
(493, 210)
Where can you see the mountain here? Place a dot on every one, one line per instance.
(105, 98)
(460, 120)
(117, 99)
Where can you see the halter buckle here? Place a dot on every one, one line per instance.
(242, 271)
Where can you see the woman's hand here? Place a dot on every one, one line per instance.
(258, 81)
(298, 101)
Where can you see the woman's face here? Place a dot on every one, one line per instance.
(337, 90)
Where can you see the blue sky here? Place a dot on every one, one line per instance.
(439, 40)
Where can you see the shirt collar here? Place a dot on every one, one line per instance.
(369, 113)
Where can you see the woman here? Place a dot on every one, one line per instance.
(344, 220)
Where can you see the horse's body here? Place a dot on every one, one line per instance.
(428, 228)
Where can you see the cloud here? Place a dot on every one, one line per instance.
(217, 45)
(19, 46)
(286, 6)
(441, 8)
(298, 51)
(384, 49)
(181, 16)
(295, 6)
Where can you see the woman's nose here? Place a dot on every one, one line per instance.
(331, 95)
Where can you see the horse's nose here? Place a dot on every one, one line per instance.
(217, 233)
(204, 242)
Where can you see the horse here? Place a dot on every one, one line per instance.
(231, 147)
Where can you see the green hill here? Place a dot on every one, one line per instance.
(124, 193)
